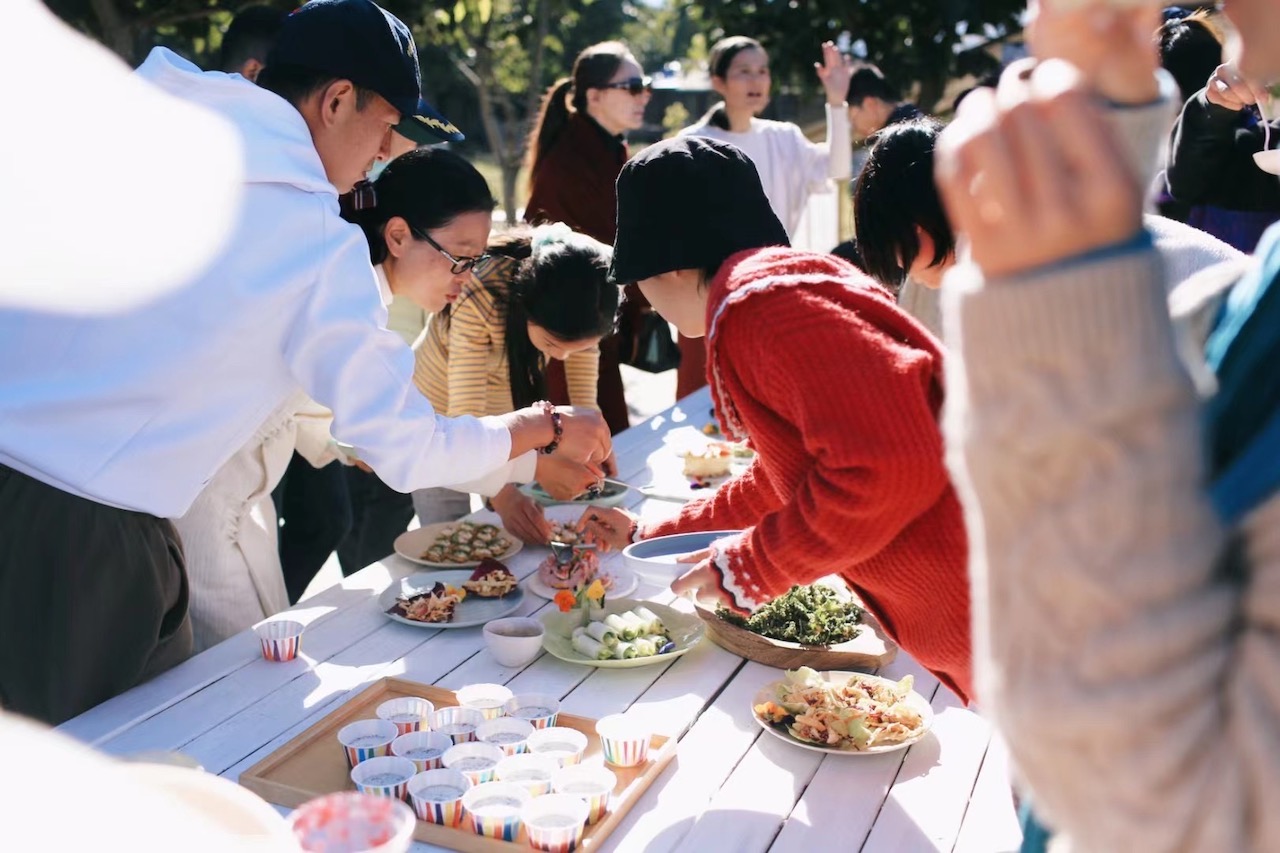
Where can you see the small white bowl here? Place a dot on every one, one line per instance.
(656, 560)
(514, 641)
(488, 699)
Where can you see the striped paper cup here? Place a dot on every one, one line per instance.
(564, 744)
(593, 785)
(387, 776)
(540, 709)
(281, 639)
(488, 699)
(365, 739)
(535, 772)
(625, 743)
(437, 796)
(494, 809)
(349, 821)
(457, 722)
(507, 733)
(554, 822)
(409, 713)
(477, 761)
(424, 749)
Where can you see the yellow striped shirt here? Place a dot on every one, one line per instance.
(461, 365)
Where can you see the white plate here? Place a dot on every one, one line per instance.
(470, 612)
(624, 583)
(614, 495)
(412, 543)
(768, 693)
(686, 631)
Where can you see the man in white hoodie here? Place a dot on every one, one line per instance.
(109, 425)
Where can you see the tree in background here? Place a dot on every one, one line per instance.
(132, 27)
(911, 40)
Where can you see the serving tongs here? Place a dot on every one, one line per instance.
(563, 551)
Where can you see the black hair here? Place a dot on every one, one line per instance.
(296, 83)
(1190, 50)
(427, 187)
(593, 68)
(895, 193)
(868, 81)
(250, 36)
(718, 62)
(565, 289)
(848, 250)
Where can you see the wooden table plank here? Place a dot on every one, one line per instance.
(991, 821)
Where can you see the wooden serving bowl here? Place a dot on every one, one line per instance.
(870, 650)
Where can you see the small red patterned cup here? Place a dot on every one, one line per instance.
(348, 822)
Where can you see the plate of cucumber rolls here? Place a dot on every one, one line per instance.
(624, 633)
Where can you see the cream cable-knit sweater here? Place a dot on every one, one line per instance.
(1132, 666)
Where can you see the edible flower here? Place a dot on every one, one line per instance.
(595, 592)
(566, 600)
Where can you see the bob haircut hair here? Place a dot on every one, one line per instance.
(894, 195)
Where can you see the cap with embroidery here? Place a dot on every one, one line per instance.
(358, 40)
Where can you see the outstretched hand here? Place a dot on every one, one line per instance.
(1114, 47)
(834, 72)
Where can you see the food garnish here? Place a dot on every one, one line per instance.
(814, 615)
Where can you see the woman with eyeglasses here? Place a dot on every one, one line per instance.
(541, 297)
(791, 167)
(576, 151)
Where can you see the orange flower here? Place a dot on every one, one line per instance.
(595, 592)
(565, 600)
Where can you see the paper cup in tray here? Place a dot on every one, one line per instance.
(409, 713)
(281, 639)
(592, 784)
(425, 749)
(554, 822)
(493, 809)
(540, 709)
(365, 739)
(348, 822)
(437, 796)
(507, 733)
(387, 776)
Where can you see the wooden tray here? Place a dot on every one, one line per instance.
(871, 649)
(313, 764)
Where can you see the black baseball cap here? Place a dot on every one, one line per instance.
(358, 40)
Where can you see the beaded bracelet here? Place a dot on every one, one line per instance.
(556, 428)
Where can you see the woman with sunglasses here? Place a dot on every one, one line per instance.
(576, 151)
(791, 167)
(541, 297)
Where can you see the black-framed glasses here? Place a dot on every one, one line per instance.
(460, 265)
(633, 86)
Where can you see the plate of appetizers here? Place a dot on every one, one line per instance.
(624, 633)
(610, 493)
(456, 544)
(574, 563)
(842, 713)
(453, 599)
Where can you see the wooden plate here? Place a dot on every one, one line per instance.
(871, 649)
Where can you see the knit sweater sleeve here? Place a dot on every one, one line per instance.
(738, 504)
(581, 374)
(873, 454)
(1104, 622)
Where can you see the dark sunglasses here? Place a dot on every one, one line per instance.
(460, 265)
(634, 86)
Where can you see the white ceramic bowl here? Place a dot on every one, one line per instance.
(515, 640)
(656, 560)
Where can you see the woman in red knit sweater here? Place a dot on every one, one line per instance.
(837, 389)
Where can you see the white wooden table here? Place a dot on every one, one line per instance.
(731, 787)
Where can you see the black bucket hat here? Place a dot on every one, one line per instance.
(689, 203)
(358, 40)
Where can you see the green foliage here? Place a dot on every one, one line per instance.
(674, 118)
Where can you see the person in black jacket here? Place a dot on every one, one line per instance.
(1210, 162)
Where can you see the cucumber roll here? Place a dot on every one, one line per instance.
(625, 630)
(602, 634)
(588, 647)
(625, 651)
(653, 624)
(644, 648)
